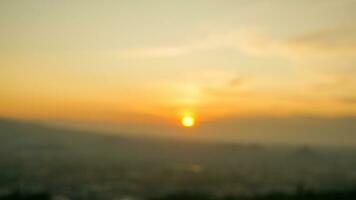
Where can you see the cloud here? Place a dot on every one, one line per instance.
(205, 44)
(333, 81)
(349, 100)
(150, 52)
(338, 87)
(332, 42)
(236, 82)
(339, 42)
(232, 88)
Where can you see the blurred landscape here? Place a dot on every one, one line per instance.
(44, 162)
(177, 100)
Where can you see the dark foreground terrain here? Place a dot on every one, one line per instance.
(81, 165)
(301, 195)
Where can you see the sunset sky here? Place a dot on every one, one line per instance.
(150, 62)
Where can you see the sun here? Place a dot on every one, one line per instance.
(188, 121)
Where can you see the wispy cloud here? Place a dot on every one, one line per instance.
(324, 43)
(232, 88)
(210, 42)
(331, 43)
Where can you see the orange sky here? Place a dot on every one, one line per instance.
(149, 62)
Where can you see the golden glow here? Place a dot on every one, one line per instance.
(154, 75)
(188, 121)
